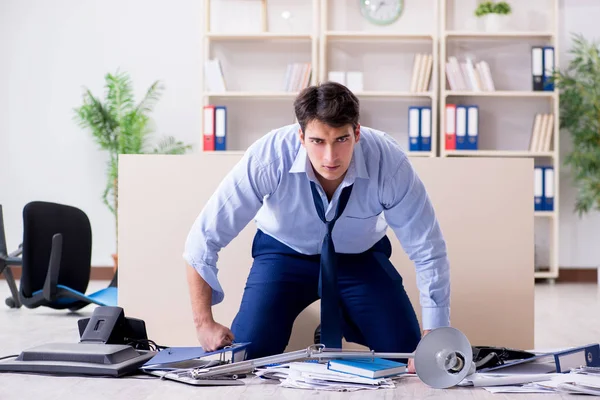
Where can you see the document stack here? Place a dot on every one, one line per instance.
(575, 370)
(322, 376)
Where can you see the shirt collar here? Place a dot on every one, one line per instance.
(356, 169)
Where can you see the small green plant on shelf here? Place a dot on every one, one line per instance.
(490, 7)
(579, 86)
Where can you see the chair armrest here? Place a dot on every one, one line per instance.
(53, 268)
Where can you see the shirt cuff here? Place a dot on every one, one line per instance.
(435, 317)
(209, 274)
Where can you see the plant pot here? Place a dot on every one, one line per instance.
(495, 22)
(116, 262)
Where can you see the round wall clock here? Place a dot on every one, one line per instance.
(381, 12)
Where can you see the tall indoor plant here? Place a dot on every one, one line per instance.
(120, 126)
(579, 86)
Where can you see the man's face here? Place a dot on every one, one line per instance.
(329, 149)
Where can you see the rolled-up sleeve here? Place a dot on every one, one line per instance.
(410, 214)
(235, 202)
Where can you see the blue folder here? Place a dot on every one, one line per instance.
(173, 357)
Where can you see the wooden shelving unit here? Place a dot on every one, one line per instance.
(330, 37)
(549, 158)
(335, 36)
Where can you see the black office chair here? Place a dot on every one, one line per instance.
(56, 260)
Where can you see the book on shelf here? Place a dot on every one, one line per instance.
(213, 76)
(297, 77)
(541, 134)
(469, 76)
(421, 74)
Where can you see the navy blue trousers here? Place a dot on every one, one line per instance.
(376, 310)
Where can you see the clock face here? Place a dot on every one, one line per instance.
(381, 12)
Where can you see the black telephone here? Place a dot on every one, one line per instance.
(109, 325)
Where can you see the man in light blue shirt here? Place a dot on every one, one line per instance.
(325, 186)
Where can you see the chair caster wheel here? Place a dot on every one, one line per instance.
(10, 302)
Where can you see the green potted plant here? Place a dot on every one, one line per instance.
(578, 85)
(120, 126)
(494, 14)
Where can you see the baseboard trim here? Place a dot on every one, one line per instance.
(577, 275)
(97, 273)
(565, 275)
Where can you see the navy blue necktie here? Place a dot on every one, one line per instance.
(331, 319)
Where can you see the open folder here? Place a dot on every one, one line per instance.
(173, 358)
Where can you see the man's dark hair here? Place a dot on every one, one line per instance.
(330, 103)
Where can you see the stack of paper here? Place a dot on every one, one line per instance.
(312, 375)
(578, 381)
(575, 383)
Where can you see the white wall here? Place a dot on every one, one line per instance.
(51, 49)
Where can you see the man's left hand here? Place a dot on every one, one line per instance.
(411, 361)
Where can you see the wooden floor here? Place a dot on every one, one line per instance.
(566, 315)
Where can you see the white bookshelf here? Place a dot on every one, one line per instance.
(254, 46)
(385, 55)
(514, 103)
(333, 36)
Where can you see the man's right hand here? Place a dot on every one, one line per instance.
(213, 336)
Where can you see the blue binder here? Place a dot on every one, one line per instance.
(548, 58)
(472, 127)
(176, 357)
(220, 128)
(548, 198)
(553, 362)
(461, 128)
(425, 129)
(538, 188)
(414, 128)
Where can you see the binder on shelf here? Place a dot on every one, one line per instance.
(461, 128)
(425, 131)
(220, 128)
(472, 127)
(537, 67)
(208, 131)
(538, 188)
(450, 133)
(414, 127)
(548, 68)
(548, 199)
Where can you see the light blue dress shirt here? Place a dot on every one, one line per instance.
(271, 185)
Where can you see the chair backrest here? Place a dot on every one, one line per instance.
(41, 221)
